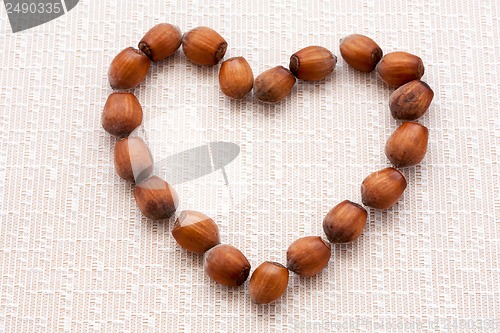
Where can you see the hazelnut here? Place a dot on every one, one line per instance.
(268, 282)
(161, 41)
(122, 114)
(226, 265)
(204, 46)
(312, 63)
(411, 100)
(133, 160)
(398, 68)
(236, 77)
(383, 188)
(307, 256)
(344, 222)
(360, 52)
(156, 199)
(195, 231)
(128, 69)
(407, 145)
(274, 84)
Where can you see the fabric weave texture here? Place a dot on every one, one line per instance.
(76, 255)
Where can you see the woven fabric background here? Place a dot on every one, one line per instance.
(76, 255)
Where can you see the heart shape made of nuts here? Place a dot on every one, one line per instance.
(198, 233)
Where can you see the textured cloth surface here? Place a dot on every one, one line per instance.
(76, 255)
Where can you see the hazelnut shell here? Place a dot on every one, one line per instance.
(122, 114)
(398, 68)
(226, 265)
(204, 46)
(307, 256)
(133, 160)
(156, 199)
(161, 41)
(128, 69)
(195, 231)
(312, 63)
(274, 84)
(268, 282)
(236, 77)
(344, 222)
(360, 52)
(382, 189)
(407, 145)
(411, 100)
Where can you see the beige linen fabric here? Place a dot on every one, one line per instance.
(76, 255)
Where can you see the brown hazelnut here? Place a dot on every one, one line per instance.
(312, 63)
(128, 69)
(307, 256)
(268, 282)
(344, 222)
(407, 145)
(360, 52)
(226, 265)
(204, 46)
(398, 68)
(274, 84)
(133, 160)
(411, 100)
(195, 231)
(161, 41)
(383, 188)
(156, 199)
(122, 114)
(236, 77)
